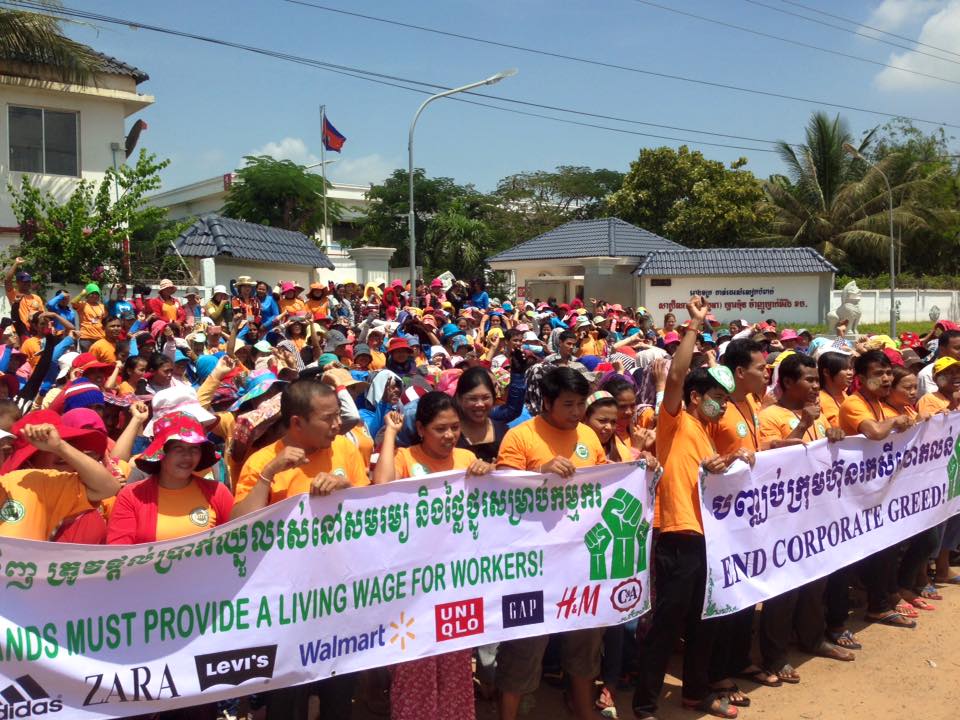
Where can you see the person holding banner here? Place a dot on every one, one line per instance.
(865, 413)
(946, 375)
(835, 369)
(311, 457)
(691, 403)
(555, 441)
(441, 686)
(796, 419)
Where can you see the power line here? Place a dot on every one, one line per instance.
(615, 66)
(394, 81)
(791, 41)
(852, 32)
(868, 27)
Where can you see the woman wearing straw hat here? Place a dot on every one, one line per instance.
(245, 304)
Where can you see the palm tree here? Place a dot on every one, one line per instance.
(38, 39)
(838, 204)
(457, 241)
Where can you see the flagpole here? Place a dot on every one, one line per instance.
(323, 173)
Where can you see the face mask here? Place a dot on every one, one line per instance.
(711, 409)
(873, 384)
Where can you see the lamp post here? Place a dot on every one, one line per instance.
(851, 150)
(493, 79)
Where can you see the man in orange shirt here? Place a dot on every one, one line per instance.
(946, 374)
(865, 413)
(311, 457)
(30, 302)
(557, 442)
(684, 448)
(796, 419)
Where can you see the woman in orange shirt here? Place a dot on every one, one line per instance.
(836, 374)
(440, 686)
(90, 314)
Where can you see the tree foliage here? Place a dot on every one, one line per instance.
(280, 193)
(83, 238)
(38, 38)
(691, 200)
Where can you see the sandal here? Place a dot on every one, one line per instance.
(922, 604)
(713, 704)
(760, 677)
(955, 580)
(893, 619)
(845, 639)
(788, 674)
(834, 652)
(733, 694)
(906, 609)
(930, 592)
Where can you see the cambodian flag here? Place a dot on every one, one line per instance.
(332, 139)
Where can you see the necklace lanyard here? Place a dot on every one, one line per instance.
(813, 426)
(751, 425)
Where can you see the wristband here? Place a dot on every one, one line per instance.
(341, 388)
(265, 480)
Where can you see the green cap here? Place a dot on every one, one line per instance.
(722, 374)
(92, 288)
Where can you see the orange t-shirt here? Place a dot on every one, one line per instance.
(647, 419)
(594, 347)
(295, 305)
(360, 437)
(31, 348)
(413, 462)
(29, 304)
(126, 388)
(856, 409)
(532, 444)
(317, 307)
(91, 318)
(830, 408)
(183, 512)
(104, 350)
(683, 443)
(932, 403)
(378, 360)
(777, 422)
(33, 503)
(739, 428)
(341, 458)
(168, 309)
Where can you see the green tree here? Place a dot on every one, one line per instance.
(385, 222)
(457, 242)
(839, 205)
(691, 200)
(83, 238)
(38, 38)
(280, 193)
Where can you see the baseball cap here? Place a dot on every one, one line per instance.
(23, 276)
(944, 363)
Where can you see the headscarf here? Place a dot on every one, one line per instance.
(378, 385)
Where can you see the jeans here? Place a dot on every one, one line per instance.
(681, 567)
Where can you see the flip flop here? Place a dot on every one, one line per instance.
(835, 652)
(755, 677)
(906, 609)
(733, 689)
(786, 674)
(919, 602)
(890, 619)
(723, 709)
(929, 592)
(844, 639)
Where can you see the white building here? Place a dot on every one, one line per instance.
(209, 196)
(59, 133)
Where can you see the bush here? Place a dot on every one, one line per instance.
(905, 280)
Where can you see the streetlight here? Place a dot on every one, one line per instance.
(851, 150)
(493, 79)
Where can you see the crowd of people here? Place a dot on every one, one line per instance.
(134, 418)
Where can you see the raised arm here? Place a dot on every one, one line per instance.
(680, 364)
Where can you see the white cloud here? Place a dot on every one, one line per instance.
(289, 148)
(362, 170)
(893, 15)
(942, 30)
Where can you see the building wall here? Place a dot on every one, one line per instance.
(794, 299)
(101, 123)
(228, 269)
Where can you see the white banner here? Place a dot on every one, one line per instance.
(309, 588)
(806, 511)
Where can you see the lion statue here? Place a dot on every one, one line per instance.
(849, 309)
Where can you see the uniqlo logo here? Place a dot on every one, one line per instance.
(459, 619)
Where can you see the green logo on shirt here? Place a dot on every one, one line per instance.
(581, 451)
(12, 511)
(340, 472)
(794, 423)
(742, 429)
(419, 470)
(821, 429)
(200, 517)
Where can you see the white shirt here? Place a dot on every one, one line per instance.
(925, 381)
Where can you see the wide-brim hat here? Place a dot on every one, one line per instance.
(177, 426)
(177, 398)
(85, 440)
(167, 285)
(244, 280)
(258, 384)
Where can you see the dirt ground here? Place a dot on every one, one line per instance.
(899, 674)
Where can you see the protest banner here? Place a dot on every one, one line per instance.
(805, 511)
(313, 587)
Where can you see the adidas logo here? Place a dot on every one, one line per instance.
(26, 698)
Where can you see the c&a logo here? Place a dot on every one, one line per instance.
(26, 698)
(233, 667)
(134, 684)
(626, 595)
(523, 609)
(459, 619)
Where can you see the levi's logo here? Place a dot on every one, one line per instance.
(234, 667)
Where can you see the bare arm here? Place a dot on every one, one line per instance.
(673, 391)
(385, 470)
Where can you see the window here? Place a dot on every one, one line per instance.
(43, 141)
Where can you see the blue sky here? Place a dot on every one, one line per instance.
(214, 105)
